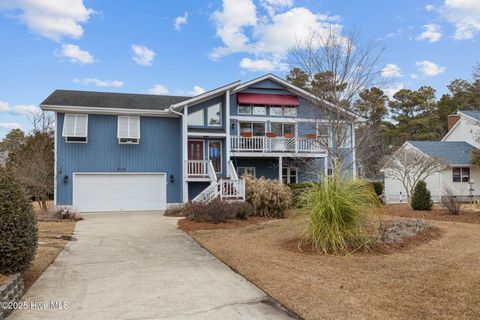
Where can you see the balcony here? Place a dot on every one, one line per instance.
(276, 144)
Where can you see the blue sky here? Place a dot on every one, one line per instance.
(185, 47)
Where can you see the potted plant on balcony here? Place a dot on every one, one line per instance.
(271, 134)
(246, 134)
(311, 136)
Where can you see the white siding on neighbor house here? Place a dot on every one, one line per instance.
(467, 130)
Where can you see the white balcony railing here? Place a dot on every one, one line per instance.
(277, 144)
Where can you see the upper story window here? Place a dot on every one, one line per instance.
(75, 128)
(289, 111)
(214, 115)
(325, 134)
(345, 137)
(276, 111)
(196, 118)
(246, 110)
(461, 174)
(128, 129)
(286, 130)
(261, 110)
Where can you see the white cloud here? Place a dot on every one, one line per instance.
(49, 18)
(264, 65)
(75, 54)
(432, 33)
(429, 68)
(158, 89)
(180, 21)
(7, 126)
(274, 5)
(429, 7)
(19, 109)
(142, 55)
(464, 15)
(391, 71)
(100, 83)
(413, 76)
(197, 90)
(394, 88)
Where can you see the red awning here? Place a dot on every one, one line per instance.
(268, 99)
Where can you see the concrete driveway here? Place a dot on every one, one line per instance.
(138, 265)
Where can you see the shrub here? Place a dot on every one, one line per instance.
(297, 190)
(450, 201)
(217, 211)
(65, 213)
(378, 187)
(421, 198)
(338, 210)
(269, 198)
(18, 226)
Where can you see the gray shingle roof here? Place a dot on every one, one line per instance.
(473, 114)
(111, 100)
(454, 152)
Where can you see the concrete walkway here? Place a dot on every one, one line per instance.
(138, 265)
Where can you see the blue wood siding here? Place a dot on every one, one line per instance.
(159, 150)
(264, 167)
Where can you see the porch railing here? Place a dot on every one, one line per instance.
(200, 169)
(277, 144)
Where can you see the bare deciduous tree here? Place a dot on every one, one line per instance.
(339, 67)
(410, 166)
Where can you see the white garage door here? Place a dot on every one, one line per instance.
(119, 191)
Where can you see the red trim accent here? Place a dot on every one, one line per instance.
(267, 99)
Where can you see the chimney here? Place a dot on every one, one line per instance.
(452, 120)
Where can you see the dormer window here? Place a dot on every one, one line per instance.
(75, 128)
(128, 129)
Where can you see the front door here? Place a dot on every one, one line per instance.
(195, 152)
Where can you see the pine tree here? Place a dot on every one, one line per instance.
(421, 198)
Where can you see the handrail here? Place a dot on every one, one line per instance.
(211, 171)
(275, 144)
(231, 172)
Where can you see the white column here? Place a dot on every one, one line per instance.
(227, 124)
(280, 168)
(325, 169)
(354, 162)
(185, 152)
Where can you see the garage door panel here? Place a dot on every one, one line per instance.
(115, 192)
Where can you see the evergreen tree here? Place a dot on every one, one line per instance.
(421, 198)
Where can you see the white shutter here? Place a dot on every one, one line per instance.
(75, 125)
(128, 127)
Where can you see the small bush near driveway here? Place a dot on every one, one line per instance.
(269, 198)
(216, 211)
(18, 226)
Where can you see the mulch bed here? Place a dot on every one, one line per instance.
(404, 210)
(191, 225)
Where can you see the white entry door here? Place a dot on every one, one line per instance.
(119, 191)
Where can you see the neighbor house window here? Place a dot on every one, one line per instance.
(244, 171)
(75, 128)
(196, 118)
(128, 129)
(244, 109)
(214, 114)
(461, 174)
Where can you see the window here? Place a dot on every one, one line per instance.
(345, 137)
(214, 115)
(196, 118)
(282, 129)
(243, 171)
(215, 154)
(259, 110)
(290, 175)
(276, 111)
(290, 111)
(75, 128)
(128, 130)
(255, 128)
(325, 134)
(460, 174)
(244, 109)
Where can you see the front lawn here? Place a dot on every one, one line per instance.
(439, 279)
(468, 214)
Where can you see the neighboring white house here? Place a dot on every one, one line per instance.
(460, 175)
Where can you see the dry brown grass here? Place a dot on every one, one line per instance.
(437, 213)
(436, 280)
(52, 238)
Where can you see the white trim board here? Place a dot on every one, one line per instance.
(109, 111)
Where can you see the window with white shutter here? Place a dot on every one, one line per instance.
(128, 129)
(75, 128)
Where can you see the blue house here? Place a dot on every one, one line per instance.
(117, 151)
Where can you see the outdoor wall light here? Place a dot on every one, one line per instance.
(172, 178)
(65, 179)
(233, 125)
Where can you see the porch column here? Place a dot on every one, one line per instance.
(354, 155)
(185, 153)
(325, 166)
(280, 168)
(227, 124)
